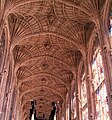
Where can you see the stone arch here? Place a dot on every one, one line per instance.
(91, 44)
(106, 16)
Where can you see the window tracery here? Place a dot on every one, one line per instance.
(101, 106)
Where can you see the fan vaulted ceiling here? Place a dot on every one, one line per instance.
(48, 42)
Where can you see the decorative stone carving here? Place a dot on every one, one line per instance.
(51, 16)
(47, 45)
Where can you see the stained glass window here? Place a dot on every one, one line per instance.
(84, 98)
(111, 25)
(99, 87)
(74, 106)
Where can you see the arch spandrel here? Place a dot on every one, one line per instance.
(21, 25)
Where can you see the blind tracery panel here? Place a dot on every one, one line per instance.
(99, 88)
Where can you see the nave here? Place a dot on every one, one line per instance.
(56, 50)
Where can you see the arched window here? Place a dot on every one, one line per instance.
(101, 105)
(84, 96)
(74, 106)
(110, 22)
(73, 100)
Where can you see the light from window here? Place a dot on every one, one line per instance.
(111, 26)
(84, 98)
(102, 110)
(32, 118)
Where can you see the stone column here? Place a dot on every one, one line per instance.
(4, 95)
(60, 111)
(4, 72)
(77, 97)
(64, 110)
(88, 85)
(69, 102)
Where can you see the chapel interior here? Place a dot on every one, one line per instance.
(56, 50)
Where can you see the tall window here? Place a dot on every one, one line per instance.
(74, 106)
(110, 30)
(111, 25)
(84, 98)
(99, 87)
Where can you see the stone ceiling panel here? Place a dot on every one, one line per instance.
(58, 70)
(50, 21)
(51, 48)
(43, 81)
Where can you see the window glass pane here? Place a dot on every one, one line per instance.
(111, 26)
(84, 98)
(100, 88)
(74, 106)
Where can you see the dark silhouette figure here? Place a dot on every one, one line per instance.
(33, 110)
(53, 111)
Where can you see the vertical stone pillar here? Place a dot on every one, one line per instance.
(64, 110)
(8, 109)
(60, 111)
(70, 102)
(4, 94)
(4, 71)
(77, 97)
(88, 87)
